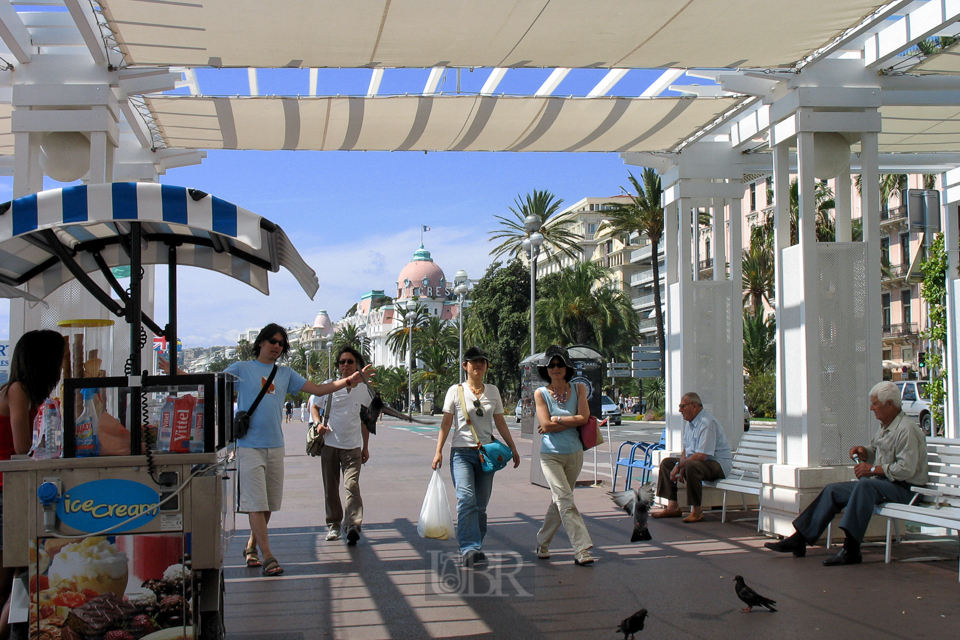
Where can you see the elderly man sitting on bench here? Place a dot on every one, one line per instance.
(895, 461)
(706, 456)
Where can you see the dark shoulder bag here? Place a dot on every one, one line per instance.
(241, 422)
(314, 435)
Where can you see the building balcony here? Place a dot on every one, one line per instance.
(648, 325)
(645, 277)
(646, 301)
(893, 215)
(644, 253)
(902, 330)
(613, 260)
(895, 272)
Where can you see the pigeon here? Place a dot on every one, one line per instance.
(632, 502)
(631, 625)
(751, 598)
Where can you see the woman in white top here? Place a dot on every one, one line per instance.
(484, 410)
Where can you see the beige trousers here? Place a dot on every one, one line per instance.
(561, 471)
(333, 461)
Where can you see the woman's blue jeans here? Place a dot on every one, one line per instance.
(474, 486)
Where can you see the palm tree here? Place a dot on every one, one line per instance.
(244, 349)
(439, 333)
(557, 239)
(758, 273)
(392, 383)
(350, 335)
(759, 347)
(397, 340)
(588, 308)
(644, 215)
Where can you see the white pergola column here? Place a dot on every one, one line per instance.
(704, 317)
(827, 310)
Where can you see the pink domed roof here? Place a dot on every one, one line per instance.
(324, 324)
(422, 277)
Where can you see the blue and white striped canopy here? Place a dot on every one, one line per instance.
(89, 220)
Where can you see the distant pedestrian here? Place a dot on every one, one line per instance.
(475, 421)
(561, 408)
(289, 410)
(303, 412)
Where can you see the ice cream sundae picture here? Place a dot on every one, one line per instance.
(84, 590)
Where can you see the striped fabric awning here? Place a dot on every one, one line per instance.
(93, 223)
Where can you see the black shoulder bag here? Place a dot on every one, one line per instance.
(241, 422)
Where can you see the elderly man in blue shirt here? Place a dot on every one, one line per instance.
(706, 456)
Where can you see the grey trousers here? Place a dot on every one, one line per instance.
(333, 461)
(695, 472)
(858, 497)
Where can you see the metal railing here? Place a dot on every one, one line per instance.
(647, 323)
(900, 330)
(896, 272)
(894, 214)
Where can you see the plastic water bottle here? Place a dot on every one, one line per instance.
(196, 428)
(165, 428)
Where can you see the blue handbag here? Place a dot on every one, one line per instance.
(493, 456)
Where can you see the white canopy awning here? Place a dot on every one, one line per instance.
(476, 33)
(433, 123)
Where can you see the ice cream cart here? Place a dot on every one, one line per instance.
(123, 528)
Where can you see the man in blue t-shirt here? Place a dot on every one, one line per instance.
(260, 452)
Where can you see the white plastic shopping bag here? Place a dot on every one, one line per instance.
(435, 519)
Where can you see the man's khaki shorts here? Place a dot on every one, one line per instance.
(260, 479)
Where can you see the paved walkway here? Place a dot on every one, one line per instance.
(395, 584)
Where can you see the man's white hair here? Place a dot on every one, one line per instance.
(886, 390)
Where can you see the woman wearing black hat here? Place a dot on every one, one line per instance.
(561, 408)
(476, 420)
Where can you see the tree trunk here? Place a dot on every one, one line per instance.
(658, 307)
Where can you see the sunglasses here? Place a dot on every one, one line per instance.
(556, 365)
(275, 341)
(343, 362)
(476, 405)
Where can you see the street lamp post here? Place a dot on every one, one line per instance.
(531, 244)
(307, 353)
(329, 359)
(411, 317)
(462, 287)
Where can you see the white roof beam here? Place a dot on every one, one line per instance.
(14, 33)
(496, 75)
(137, 125)
(252, 79)
(314, 73)
(86, 22)
(433, 81)
(661, 83)
(604, 86)
(916, 26)
(552, 82)
(375, 78)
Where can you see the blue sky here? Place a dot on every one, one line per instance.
(355, 217)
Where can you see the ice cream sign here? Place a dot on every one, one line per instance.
(94, 506)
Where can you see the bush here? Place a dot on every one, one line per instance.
(760, 392)
(654, 414)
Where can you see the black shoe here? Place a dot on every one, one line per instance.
(481, 557)
(471, 558)
(798, 546)
(843, 557)
(353, 536)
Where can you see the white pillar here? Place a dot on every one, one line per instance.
(951, 197)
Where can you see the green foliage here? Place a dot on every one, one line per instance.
(586, 307)
(655, 394)
(219, 365)
(934, 291)
(758, 273)
(349, 335)
(244, 349)
(557, 237)
(392, 383)
(760, 392)
(759, 344)
(498, 321)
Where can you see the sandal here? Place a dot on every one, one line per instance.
(271, 567)
(250, 555)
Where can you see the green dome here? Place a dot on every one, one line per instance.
(421, 255)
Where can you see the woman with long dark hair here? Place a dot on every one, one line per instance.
(34, 373)
(561, 408)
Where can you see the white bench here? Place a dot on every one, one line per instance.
(937, 504)
(756, 447)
